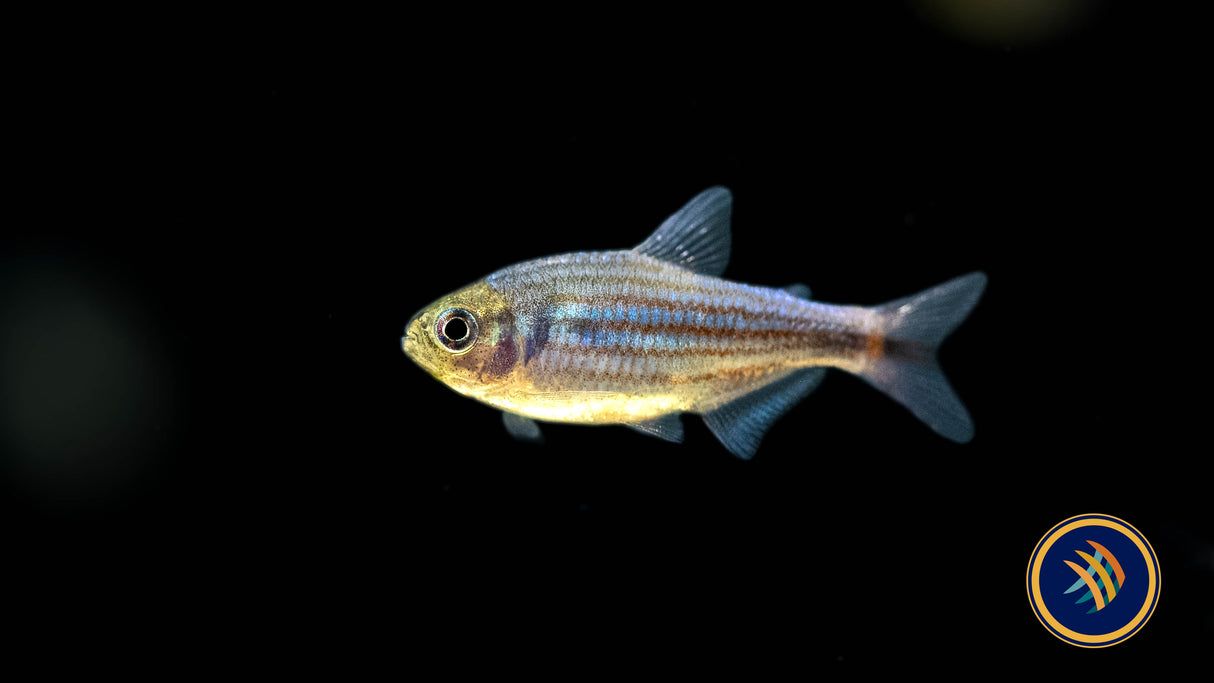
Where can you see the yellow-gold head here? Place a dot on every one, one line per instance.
(466, 340)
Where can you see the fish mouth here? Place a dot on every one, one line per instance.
(408, 343)
(412, 343)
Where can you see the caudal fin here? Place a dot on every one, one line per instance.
(906, 369)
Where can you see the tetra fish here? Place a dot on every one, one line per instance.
(638, 336)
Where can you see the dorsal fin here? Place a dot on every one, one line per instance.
(696, 236)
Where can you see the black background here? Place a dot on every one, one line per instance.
(264, 200)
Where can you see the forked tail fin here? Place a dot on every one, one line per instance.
(906, 367)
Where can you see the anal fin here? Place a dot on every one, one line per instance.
(741, 423)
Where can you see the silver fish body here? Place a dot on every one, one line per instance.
(638, 336)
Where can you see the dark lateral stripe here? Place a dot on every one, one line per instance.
(596, 332)
(675, 346)
(623, 327)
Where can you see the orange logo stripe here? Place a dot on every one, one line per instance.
(1112, 561)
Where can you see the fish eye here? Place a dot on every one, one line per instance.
(455, 330)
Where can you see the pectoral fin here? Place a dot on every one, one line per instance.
(523, 428)
(667, 427)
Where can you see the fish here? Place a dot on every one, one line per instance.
(637, 337)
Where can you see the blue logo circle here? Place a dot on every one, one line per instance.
(1093, 580)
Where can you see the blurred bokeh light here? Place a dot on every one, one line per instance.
(1006, 22)
(85, 393)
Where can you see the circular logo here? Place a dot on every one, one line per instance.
(1093, 580)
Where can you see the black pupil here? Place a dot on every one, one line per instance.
(456, 329)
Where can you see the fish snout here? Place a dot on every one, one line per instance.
(408, 341)
(411, 342)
